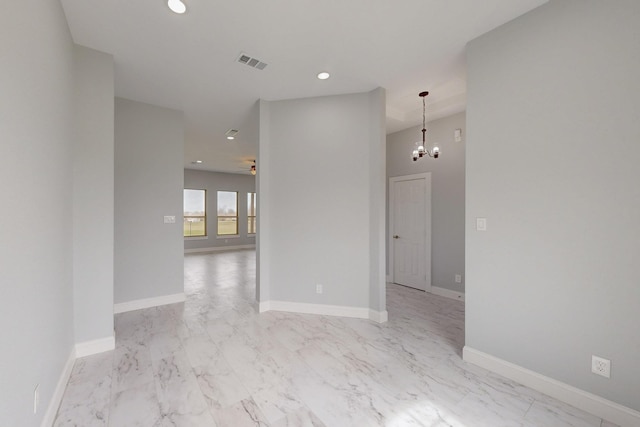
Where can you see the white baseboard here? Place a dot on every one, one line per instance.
(324, 309)
(58, 393)
(87, 348)
(379, 316)
(588, 402)
(139, 304)
(447, 293)
(218, 248)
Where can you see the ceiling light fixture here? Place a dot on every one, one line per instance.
(253, 168)
(324, 75)
(177, 6)
(231, 134)
(420, 151)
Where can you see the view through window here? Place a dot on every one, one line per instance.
(195, 219)
(227, 213)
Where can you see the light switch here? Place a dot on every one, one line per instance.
(481, 224)
(169, 219)
(457, 135)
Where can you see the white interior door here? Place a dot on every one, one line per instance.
(410, 211)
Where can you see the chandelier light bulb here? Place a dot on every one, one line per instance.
(177, 6)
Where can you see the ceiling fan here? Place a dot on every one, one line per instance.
(252, 169)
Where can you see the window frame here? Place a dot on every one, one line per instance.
(253, 199)
(203, 217)
(218, 216)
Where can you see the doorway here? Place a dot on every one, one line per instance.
(410, 230)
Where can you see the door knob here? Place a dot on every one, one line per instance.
(396, 237)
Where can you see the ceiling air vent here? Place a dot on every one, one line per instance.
(251, 62)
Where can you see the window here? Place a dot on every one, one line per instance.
(251, 212)
(195, 218)
(227, 213)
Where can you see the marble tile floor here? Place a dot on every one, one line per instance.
(214, 361)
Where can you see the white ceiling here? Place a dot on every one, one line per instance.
(188, 62)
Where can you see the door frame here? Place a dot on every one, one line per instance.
(427, 226)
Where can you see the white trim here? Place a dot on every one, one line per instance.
(323, 309)
(148, 303)
(193, 238)
(596, 405)
(447, 293)
(219, 248)
(87, 348)
(428, 237)
(379, 316)
(58, 393)
(228, 236)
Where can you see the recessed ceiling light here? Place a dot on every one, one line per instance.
(323, 75)
(196, 162)
(177, 6)
(231, 137)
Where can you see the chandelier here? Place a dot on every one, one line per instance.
(420, 151)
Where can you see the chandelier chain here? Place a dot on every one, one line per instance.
(424, 112)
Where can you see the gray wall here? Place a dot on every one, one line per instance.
(93, 196)
(447, 193)
(36, 277)
(149, 174)
(377, 159)
(214, 182)
(552, 163)
(316, 195)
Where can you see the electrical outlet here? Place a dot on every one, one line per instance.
(600, 366)
(458, 278)
(36, 399)
(169, 219)
(318, 288)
